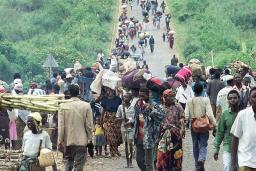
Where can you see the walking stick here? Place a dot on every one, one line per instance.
(126, 137)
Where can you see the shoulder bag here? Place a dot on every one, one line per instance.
(201, 124)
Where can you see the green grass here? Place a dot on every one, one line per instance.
(227, 28)
(69, 29)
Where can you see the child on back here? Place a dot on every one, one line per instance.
(99, 137)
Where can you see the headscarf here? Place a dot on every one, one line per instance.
(2, 89)
(168, 92)
(33, 85)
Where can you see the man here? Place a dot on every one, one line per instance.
(244, 71)
(151, 44)
(68, 81)
(244, 136)
(184, 93)
(222, 101)
(75, 127)
(34, 90)
(226, 75)
(147, 119)
(167, 21)
(163, 5)
(31, 143)
(223, 132)
(243, 91)
(213, 88)
(174, 60)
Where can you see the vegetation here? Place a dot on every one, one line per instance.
(225, 30)
(69, 29)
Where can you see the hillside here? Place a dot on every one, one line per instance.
(68, 29)
(225, 30)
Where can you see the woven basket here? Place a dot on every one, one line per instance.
(46, 158)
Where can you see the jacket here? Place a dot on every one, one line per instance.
(75, 123)
(152, 118)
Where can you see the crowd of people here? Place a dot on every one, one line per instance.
(150, 120)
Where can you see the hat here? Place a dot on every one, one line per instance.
(69, 76)
(18, 87)
(229, 77)
(36, 116)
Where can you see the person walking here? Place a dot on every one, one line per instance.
(163, 5)
(172, 130)
(223, 132)
(125, 114)
(171, 40)
(198, 107)
(174, 60)
(31, 143)
(213, 88)
(151, 44)
(242, 89)
(184, 92)
(222, 100)
(167, 21)
(158, 22)
(163, 37)
(147, 119)
(244, 136)
(75, 127)
(110, 104)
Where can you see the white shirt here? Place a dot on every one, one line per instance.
(129, 114)
(183, 95)
(244, 129)
(222, 98)
(31, 142)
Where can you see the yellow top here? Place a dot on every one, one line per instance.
(99, 130)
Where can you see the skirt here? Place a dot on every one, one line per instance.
(112, 129)
(100, 140)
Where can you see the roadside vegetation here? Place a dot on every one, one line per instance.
(68, 29)
(220, 30)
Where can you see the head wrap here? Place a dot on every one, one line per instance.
(2, 89)
(168, 92)
(33, 85)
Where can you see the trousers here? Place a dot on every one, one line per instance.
(200, 142)
(75, 156)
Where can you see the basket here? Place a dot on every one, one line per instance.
(46, 158)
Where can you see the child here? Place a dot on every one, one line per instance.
(99, 137)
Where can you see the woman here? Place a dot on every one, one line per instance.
(197, 107)
(169, 151)
(111, 125)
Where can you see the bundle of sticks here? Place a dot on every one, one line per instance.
(47, 103)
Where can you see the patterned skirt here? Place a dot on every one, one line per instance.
(170, 153)
(112, 129)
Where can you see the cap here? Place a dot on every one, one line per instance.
(36, 116)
